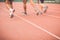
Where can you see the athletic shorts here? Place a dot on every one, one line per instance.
(42, 1)
(9, 0)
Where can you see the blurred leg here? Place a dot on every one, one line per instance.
(24, 2)
(10, 7)
(43, 6)
(38, 11)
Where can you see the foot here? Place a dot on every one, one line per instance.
(38, 13)
(11, 16)
(24, 13)
(45, 9)
(11, 13)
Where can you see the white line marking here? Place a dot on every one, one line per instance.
(52, 16)
(39, 27)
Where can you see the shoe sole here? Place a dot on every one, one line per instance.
(11, 16)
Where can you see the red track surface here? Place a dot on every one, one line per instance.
(18, 29)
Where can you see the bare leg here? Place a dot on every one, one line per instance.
(38, 1)
(25, 11)
(43, 6)
(38, 11)
(10, 7)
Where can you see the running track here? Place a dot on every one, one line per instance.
(30, 27)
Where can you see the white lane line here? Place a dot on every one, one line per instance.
(37, 26)
(52, 16)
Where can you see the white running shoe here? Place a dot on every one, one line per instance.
(45, 9)
(11, 13)
(39, 13)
